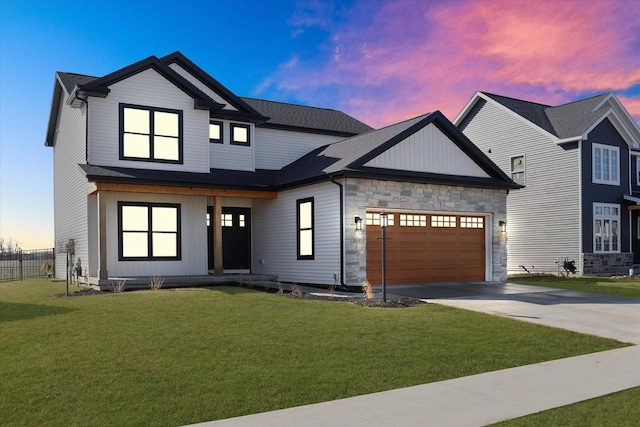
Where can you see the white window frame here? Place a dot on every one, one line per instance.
(606, 228)
(514, 171)
(605, 168)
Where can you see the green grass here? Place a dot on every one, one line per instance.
(173, 357)
(618, 409)
(617, 287)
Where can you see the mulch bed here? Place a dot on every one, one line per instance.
(80, 293)
(374, 302)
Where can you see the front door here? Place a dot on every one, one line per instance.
(236, 238)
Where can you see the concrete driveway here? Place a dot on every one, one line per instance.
(588, 313)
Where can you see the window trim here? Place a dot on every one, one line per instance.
(151, 111)
(149, 232)
(299, 230)
(603, 217)
(221, 139)
(232, 127)
(601, 180)
(523, 171)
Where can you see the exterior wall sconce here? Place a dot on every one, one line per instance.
(358, 222)
(503, 226)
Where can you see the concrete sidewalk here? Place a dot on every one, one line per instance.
(469, 401)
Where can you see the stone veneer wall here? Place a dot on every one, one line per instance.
(607, 264)
(369, 194)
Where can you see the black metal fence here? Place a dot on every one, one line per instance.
(23, 265)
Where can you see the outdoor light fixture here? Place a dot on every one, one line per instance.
(358, 222)
(503, 226)
(384, 222)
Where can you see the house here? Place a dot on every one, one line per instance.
(580, 168)
(160, 170)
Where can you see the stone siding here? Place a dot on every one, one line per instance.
(369, 194)
(607, 264)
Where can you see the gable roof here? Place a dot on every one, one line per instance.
(286, 116)
(349, 157)
(570, 121)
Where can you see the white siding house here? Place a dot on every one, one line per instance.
(162, 171)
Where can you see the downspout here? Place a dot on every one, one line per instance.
(342, 284)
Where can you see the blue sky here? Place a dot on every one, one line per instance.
(380, 61)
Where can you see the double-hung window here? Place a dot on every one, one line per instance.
(606, 164)
(606, 227)
(150, 134)
(148, 231)
(517, 170)
(305, 228)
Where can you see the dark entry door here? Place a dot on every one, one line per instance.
(236, 237)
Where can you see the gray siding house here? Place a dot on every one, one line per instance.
(160, 170)
(578, 163)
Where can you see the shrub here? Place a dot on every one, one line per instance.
(367, 289)
(156, 282)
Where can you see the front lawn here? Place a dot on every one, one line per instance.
(174, 357)
(622, 287)
(618, 409)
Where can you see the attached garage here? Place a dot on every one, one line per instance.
(427, 248)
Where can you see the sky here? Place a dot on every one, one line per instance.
(380, 61)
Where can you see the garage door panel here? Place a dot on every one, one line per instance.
(428, 248)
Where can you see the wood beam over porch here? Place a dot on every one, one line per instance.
(185, 191)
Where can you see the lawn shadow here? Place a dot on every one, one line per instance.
(10, 311)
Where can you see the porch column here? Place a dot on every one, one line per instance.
(218, 270)
(103, 274)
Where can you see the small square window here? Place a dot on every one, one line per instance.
(215, 132)
(240, 134)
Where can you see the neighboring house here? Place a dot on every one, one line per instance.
(161, 170)
(579, 164)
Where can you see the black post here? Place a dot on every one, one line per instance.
(20, 264)
(384, 264)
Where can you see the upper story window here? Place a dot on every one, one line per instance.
(305, 225)
(638, 170)
(606, 164)
(517, 170)
(240, 134)
(215, 132)
(148, 231)
(150, 134)
(606, 223)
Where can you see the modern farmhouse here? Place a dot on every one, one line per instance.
(579, 164)
(160, 170)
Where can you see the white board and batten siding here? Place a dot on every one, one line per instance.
(277, 148)
(543, 223)
(274, 236)
(193, 211)
(150, 89)
(428, 150)
(200, 85)
(70, 202)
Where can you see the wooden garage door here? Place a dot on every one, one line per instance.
(427, 248)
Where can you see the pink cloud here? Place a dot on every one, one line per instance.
(405, 58)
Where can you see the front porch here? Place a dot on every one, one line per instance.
(142, 282)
